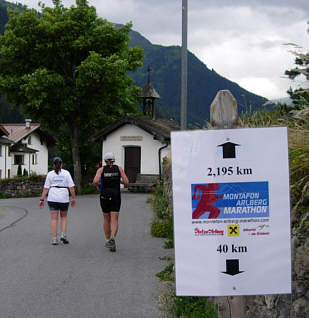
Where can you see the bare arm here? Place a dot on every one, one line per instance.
(125, 179)
(97, 178)
(73, 202)
(44, 194)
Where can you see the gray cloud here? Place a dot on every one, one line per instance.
(241, 39)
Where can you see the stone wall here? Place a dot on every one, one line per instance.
(295, 305)
(19, 187)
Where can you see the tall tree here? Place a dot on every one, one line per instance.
(68, 68)
(300, 96)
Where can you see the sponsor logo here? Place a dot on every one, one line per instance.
(261, 229)
(249, 229)
(233, 230)
(207, 232)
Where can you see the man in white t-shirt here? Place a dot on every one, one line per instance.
(57, 185)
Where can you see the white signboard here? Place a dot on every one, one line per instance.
(231, 212)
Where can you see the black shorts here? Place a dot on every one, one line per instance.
(110, 204)
(56, 206)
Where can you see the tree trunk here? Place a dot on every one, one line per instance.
(76, 156)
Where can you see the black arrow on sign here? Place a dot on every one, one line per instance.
(229, 150)
(232, 267)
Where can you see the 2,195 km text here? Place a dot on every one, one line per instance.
(228, 171)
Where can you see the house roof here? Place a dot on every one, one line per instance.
(3, 131)
(5, 140)
(159, 128)
(17, 132)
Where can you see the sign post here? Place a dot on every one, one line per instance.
(231, 211)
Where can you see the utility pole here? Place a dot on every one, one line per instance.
(184, 66)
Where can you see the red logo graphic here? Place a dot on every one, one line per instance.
(198, 231)
(206, 195)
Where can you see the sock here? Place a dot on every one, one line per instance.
(63, 234)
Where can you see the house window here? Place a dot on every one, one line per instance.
(9, 173)
(18, 160)
(0, 173)
(9, 152)
(0, 150)
(34, 159)
(29, 140)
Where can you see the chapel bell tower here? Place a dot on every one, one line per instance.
(149, 95)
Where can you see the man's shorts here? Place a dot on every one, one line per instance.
(109, 204)
(56, 206)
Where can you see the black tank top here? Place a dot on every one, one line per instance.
(110, 179)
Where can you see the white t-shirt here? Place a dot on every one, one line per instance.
(54, 181)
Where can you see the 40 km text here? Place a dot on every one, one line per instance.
(224, 248)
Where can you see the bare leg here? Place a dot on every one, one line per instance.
(114, 223)
(54, 222)
(107, 225)
(63, 221)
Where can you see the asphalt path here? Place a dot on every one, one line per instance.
(82, 279)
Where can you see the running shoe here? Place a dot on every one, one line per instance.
(54, 241)
(111, 245)
(64, 240)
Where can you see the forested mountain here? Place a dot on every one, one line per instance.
(7, 114)
(203, 84)
(165, 64)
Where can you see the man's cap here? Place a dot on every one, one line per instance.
(109, 156)
(57, 159)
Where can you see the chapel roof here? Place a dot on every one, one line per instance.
(160, 128)
(149, 91)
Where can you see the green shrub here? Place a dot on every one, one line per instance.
(4, 196)
(299, 174)
(193, 307)
(161, 208)
(160, 228)
(167, 274)
(25, 173)
(19, 171)
(169, 243)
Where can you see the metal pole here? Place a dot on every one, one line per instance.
(183, 113)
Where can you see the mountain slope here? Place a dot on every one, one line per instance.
(203, 84)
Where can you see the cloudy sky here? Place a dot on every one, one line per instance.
(242, 40)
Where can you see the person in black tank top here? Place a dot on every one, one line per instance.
(107, 180)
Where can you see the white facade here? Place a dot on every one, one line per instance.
(131, 135)
(5, 161)
(33, 162)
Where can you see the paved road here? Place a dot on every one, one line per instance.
(82, 279)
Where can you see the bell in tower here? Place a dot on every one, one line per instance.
(149, 95)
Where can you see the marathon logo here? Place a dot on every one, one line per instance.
(230, 200)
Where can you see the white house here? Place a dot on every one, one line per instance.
(29, 148)
(5, 159)
(139, 143)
